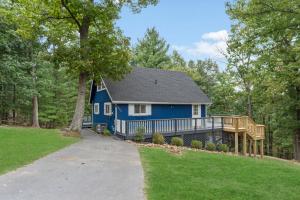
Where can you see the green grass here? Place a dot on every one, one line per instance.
(20, 146)
(200, 175)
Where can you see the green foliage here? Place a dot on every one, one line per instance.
(210, 146)
(158, 138)
(196, 144)
(106, 132)
(177, 141)
(223, 147)
(139, 135)
(151, 51)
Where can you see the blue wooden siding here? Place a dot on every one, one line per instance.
(160, 111)
(102, 97)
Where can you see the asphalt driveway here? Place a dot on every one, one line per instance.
(95, 168)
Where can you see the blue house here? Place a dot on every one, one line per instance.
(156, 100)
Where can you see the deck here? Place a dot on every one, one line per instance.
(240, 126)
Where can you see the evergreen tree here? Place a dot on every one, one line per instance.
(151, 51)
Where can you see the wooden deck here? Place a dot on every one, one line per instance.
(241, 126)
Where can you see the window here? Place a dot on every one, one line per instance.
(196, 111)
(139, 109)
(100, 86)
(107, 108)
(96, 108)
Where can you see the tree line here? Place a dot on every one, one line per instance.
(50, 50)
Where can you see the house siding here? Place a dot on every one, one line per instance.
(161, 111)
(102, 97)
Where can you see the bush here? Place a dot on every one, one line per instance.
(177, 141)
(196, 144)
(106, 132)
(211, 146)
(224, 148)
(139, 135)
(158, 138)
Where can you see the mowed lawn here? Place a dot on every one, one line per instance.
(20, 146)
(200, 175)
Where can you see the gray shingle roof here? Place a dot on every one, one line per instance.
(157, 86)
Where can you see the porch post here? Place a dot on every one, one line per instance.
(213, 130)
(255, 148)
(244, 143)
(250, 148)
(236, 139)
(261, 148)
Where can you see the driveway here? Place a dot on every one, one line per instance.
(97, 167)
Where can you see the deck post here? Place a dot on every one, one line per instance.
(126, 130)
(250, 148)
(153, 126)
(236, 138)
(222, 124)
(213, 130)
(261, 148)
(195, 124)
(244, 143)
(175, 124)
(255, 148)
(236, 141)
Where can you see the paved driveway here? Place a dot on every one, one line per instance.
(95, 168)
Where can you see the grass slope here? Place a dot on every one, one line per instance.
(200, 175)
(20, 146)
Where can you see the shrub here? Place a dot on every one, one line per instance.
(158, 138)
(211, 146)
(177, 141)
(224, 148)
(106, 132)
(196, 144)
(139, 135)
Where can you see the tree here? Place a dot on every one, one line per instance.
(272, 29)
(84, 37)
(151, 51)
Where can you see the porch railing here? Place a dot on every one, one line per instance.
(165, 126)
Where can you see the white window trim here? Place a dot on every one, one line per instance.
(132, 113)
(110, 108)
(96, 113)
(199, 111)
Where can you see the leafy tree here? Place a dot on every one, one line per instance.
(151, 51)
(84, 37)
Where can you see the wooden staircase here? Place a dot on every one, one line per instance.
(248, 129)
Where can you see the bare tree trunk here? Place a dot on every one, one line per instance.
(79, 110)
(35, 112)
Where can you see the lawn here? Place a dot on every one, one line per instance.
(20, 146)
(200, 175)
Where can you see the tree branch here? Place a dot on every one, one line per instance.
(70, 12)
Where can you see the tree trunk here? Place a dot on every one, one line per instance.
(249, 103)
(35, 112)
(80, 104)
(79, 110)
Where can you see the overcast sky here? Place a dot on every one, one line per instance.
(198, 29)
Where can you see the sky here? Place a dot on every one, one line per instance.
(197, 29)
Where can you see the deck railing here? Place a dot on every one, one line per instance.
(128, 128)
(168, 126)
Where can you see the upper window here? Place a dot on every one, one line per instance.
(196, 111)
(96, 108)
(107, 108)
(139, 109)
(100, 86)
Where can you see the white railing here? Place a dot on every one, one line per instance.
(181, 125)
